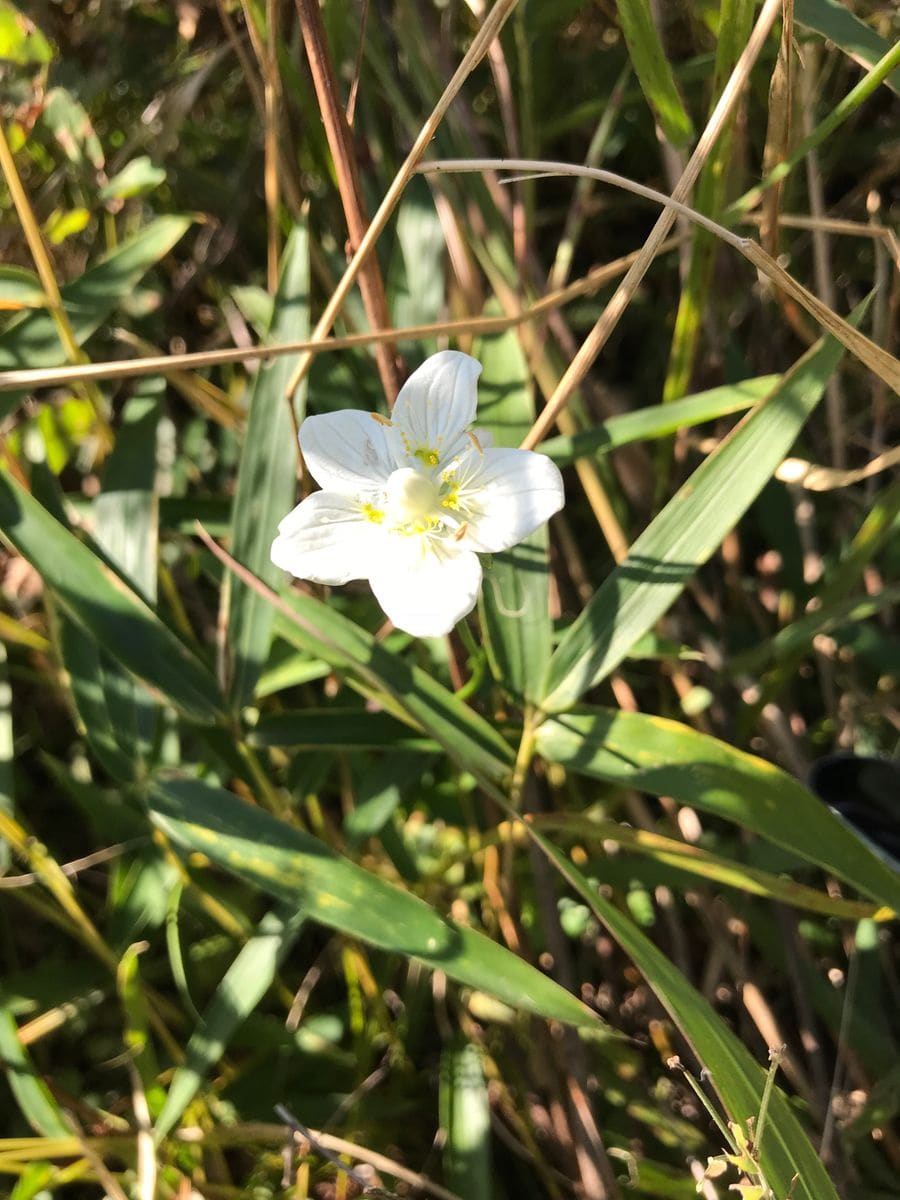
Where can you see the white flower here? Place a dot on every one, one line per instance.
(408, 503)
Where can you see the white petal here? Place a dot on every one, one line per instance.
(423, 591)
(435, 407)
(347, 451)
(512, 493)
(326, 539)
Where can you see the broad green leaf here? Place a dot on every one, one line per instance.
(687, 531)
(20, 288)
(409, 691)
(67, 119)
(308, 875)
(32, 341)
(837, 23)
(659, 420)
(515, 598)
(267, 478)
(94, 596)
(242, 988)
(653, 70)
(791, 1165)
(21, 41)
(337, 728)
(666, 758)
(34, 1098)
(140, 176)
(465, 1113)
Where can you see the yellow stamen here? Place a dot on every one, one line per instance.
(429, 457)
(373, 514)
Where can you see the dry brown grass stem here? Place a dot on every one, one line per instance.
(337, 131)
(884, 365)
(623, 294)
(168, 364)
(480, 43)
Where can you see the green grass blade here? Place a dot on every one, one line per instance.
(306, 874)
(267, 479)
(465, 1121)
(338, 729)
(687, 531)
(838, 24)
(738, 1079)
(242, 988)
(95, 597)
(32, 341)
(653, 70)
(659, 420)
(666, 758)
(515, 598)
(693, 860)
(126, 528)
(408, 690)
(34, 1098)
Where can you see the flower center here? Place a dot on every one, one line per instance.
(411, 496)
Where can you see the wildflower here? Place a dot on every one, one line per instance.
(410, 503)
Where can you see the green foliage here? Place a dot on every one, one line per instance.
(460, 902)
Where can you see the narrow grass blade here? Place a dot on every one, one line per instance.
(666, 758)
(514, 605)
(32, 341)
(126, 527)
(338, 729)
(306, 874)
(94, 596)
(791, 1165)
(407, 691)
(653, 70)
(837, 23)
(687, 531)
(706, 865)
(34, 1098)
(659, 420)
(267, 479)
(465, 1113)
(242, 988)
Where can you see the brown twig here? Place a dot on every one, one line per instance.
(337, 130)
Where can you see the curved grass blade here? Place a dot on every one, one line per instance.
(307, 875)
(791, 1165)
(242, 988)
(267, 479)
(687, 531)
(94, 596)
(32, 341)
(669, 759)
